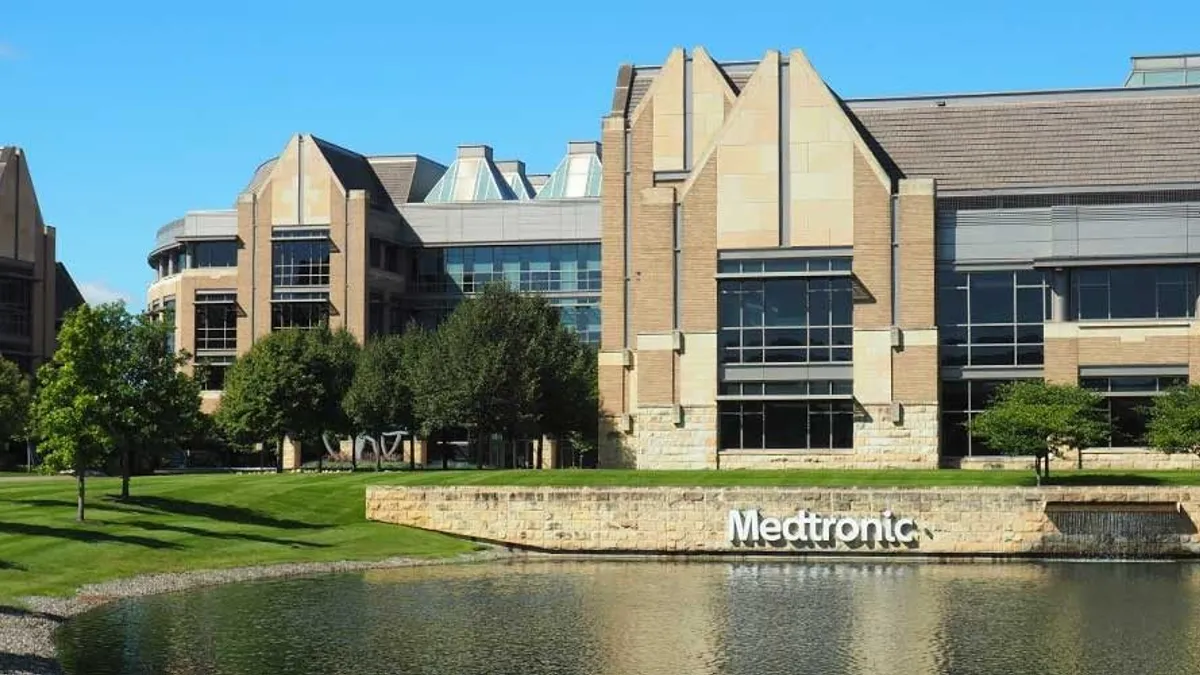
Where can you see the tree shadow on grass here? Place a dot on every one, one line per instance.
(222, 512)
(27, 663)
(84, 535)
(6, 565)
(244, 536)
(1116, 479)
(63, 503)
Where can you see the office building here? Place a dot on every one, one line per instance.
(792, 279)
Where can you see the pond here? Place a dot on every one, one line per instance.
(664, 618)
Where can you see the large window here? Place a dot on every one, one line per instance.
(962, 400)
(214, 254)
(168, 316)
(1127, 401)
(548, 268)
(299, 310)
(375, 314)
(992, 318)
(210, 372)
(300, 262)
(786, 320)
(216, 321)
(16, 303)
(1163, 292)
(581, 314)
(786, 425)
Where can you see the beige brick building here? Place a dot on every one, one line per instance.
(35, 289)
(324, 235)
(792, 279)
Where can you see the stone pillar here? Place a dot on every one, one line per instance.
(291, 454)
(549, 453)
(421, 451)
(346, 449)
(1058, 297)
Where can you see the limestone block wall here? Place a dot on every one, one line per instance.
(1096, 459)
(658, 443)
(948, 521)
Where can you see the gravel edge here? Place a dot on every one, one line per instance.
(27, 636)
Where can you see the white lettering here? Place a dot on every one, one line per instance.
(793, 528)
(906, 530)
(887, 527)
(847, 530)
(867, 525)
(743, 526)
(769, 529)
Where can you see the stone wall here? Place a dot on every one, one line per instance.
(948, 521)
(658, 443)
(1096, 459)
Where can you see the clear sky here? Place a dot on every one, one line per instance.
(133, 112)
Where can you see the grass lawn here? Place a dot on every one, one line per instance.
(177, 523)
(832, 478)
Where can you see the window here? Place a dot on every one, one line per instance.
(16, 307)
(1127, 401)
(961, 401)
(216, 321)
(792, 389)
(210, 372)
(168, 316)
(299, 310)
(214, 254)
(375, 314)
(1163, 292)
(992, 318)
(550, 268)
(786, 320)
(786, 425)
(303, 262)
(580, 314)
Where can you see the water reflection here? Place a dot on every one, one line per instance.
(651, 618)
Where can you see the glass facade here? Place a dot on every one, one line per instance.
(302, 262)
(785, 320)
(551, 268)
(569, 274)
(992, 318)
(214, 254)
(962, 400)
(786, 425)
(1158, 292)
(16, 308)
(299, 309)
(1127, 401)
(210, 372)
(216, 321)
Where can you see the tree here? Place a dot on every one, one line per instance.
(77, 409)
(1174, 424)
(290, 384)
(161, 403)
(378, 399)
(1032, 417)
(14, 402)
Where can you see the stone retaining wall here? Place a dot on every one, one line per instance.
(1097, 459)
(998, 521)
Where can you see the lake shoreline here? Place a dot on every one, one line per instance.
(27, 644)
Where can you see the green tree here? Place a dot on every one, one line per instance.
(161, 403)
(15, 400)
(290, 384)
(1030, 417)
(1174, 424)
(379, 400)
(78, 407)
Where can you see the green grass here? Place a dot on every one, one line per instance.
(831, 478)
(176, 523)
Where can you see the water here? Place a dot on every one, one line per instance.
(659, 618)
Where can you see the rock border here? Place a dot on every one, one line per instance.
(27, 635)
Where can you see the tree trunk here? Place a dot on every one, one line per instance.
(540, 457)
(80, 478)
(1079, 458)
(279, 455)
(1046, 471)
(379, 454)
(126, 470)
(353, 453)
(445, 456)
(479, 448)
(412, 452)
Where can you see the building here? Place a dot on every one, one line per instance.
(796, 280)
(322, 234)
(35, 289)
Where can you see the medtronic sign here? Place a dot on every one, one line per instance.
(748, 527)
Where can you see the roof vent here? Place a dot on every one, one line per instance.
(1168, 70)
(577, 175)
(473, 177)
(513, 171)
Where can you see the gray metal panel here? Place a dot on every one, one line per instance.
(778, 253)
(1132, 371)
(993, 234)
(779, 373)
(1123, 230)
(503, 222)
(992, 373)
(197, 225)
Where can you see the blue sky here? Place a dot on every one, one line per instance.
(134, 112)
